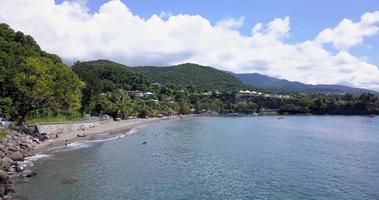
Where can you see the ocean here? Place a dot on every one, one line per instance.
(298, 157)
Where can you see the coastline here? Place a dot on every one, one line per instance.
(109, 128)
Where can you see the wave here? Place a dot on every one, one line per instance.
(104, 140)
(88, 143)
(132, 131)
(28, 161)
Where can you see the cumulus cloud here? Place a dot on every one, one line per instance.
(114, 32)
(232, 23)
(348, 34)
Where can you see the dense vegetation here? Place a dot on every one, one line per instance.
(36, 86)
(191, 75)
(104, 76)
(348, 104)
(34, 83)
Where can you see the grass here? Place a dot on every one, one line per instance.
(3, 134)
(59, 119)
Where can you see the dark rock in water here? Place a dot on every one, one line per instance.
(70, 180)
(144, 143)
(17, 156)
(2, 189)
(19, 168)
(9, 189)
(30, 174)
(4, 177)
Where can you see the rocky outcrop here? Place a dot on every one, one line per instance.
(13, 148)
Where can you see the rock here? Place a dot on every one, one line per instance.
(17, 156)
(2, 147)
(30, 174)
(2, 189)
(26, 146)
(2, 154)
(23, 152)
(19, 168)
(4, 177)
(12, 148)
(6, 163)
(9, 189)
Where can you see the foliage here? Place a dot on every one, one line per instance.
(31, 79)
(192, 75)
(103, 76)
(3, 133)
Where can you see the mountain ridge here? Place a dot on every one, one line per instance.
(283, 85)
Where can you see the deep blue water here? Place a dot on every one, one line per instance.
(299, 157)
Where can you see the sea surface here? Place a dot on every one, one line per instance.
(298, 157)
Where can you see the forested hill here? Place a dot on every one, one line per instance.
(262, 81)
(191, 74)
(103, 76)
(32, 81)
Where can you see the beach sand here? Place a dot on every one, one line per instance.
(91, 133)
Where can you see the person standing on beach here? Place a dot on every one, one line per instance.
(65, 143)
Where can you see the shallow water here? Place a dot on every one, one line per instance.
(299, 157)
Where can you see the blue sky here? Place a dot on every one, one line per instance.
(308, 17)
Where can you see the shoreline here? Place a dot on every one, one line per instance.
(109, 128)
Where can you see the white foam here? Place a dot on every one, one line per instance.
(132, 131)
(28, 161)
(104, 140)
(37, 157)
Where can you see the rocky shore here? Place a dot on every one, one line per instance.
(16, 146)
(13, 149)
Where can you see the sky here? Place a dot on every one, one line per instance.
(313, 41)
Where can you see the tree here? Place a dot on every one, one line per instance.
(6, 108)
(39, 83)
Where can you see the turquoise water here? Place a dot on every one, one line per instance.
(300, 157)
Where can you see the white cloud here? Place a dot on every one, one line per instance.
(231, 23)
(115, 33)
(348, 34)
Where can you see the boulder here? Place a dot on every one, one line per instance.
(19, 168)
(4, 177)
(12, 148)
(2, 189)
(2, 154)
(6, 163)
(30, 174)
(26, 146)
(16, 156)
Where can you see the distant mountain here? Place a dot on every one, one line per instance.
(191, 74)
(266, 82)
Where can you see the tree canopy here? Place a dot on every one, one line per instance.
(32, 80)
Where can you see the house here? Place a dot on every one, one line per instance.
(137, 93)
(247, 93)
(148, 94)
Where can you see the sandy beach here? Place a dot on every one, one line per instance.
(91, 133)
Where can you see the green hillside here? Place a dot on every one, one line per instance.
(191, 74)
(103, 76)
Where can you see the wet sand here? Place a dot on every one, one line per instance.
(91, 133)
